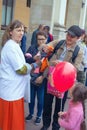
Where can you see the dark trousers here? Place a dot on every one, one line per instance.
(39, 91)
(81, 77)
(47, 110)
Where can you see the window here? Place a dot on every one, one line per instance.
(7, 12)
(29, 3)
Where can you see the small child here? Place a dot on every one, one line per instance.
(73, 119)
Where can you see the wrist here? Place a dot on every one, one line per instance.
(35, 65)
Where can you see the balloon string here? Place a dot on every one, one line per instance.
(61, 104)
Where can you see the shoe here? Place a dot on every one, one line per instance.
(38, 120)
(29, 117)
(43, 128)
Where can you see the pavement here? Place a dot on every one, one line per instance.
(30, 125)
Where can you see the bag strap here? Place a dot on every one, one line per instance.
(56, 48)
(75, 53)
(58, 45)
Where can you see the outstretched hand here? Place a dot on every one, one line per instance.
(37, 57)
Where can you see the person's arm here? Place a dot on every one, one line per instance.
(33, 52)
(22, 71)
(85, 56)
(26, 68)
(72, 120)
(53, 43)
(78, 60)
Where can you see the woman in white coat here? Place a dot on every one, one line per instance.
(13, 78)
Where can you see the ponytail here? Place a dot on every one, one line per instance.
(83, 124)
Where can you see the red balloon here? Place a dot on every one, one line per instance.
(64, 76)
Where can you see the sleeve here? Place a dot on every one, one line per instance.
(24, 70)
(53, 43)
(30, 50)
(79, 59)
(72, 120)
(85, 56)
(15, 58)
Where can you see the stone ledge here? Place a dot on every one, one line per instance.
(59, 25)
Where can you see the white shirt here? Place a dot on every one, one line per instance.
(12, 85)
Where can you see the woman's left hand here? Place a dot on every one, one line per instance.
(39, 80)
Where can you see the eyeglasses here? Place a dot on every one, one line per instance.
(41, 39)
(71, 35)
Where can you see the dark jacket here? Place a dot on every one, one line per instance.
(33, 50)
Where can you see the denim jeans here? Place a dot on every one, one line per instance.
(39, 91)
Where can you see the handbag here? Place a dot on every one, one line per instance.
(34, 75)
(52, 90)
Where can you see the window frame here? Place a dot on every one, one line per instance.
(5, 3)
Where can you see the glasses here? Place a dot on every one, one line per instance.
(41, 39)
(71, 35)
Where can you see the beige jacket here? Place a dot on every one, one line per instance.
(68, 56)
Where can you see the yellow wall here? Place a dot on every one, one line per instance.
(22, 12)
(0, 11)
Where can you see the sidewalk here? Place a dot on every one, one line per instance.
(30, 124)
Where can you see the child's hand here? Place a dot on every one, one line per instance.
(61, 114)
(37, 57)
(28, 55)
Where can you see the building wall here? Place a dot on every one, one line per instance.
(73, 12)
(41, 13)
(22, 12)
(0, 11)
(49, 12)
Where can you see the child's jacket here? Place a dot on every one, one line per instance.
(73, 117)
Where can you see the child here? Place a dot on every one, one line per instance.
(73, 119)
(35, 53)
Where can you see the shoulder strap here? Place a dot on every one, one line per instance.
(56, 48)
(58, 45)
(75, 53)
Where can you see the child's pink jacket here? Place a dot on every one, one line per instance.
(73, 117)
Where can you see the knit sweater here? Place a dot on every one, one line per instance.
(73, 117)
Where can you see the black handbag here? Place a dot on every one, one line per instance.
(34, 76)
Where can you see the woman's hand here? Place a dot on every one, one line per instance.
(55, 62)
(39, 80)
